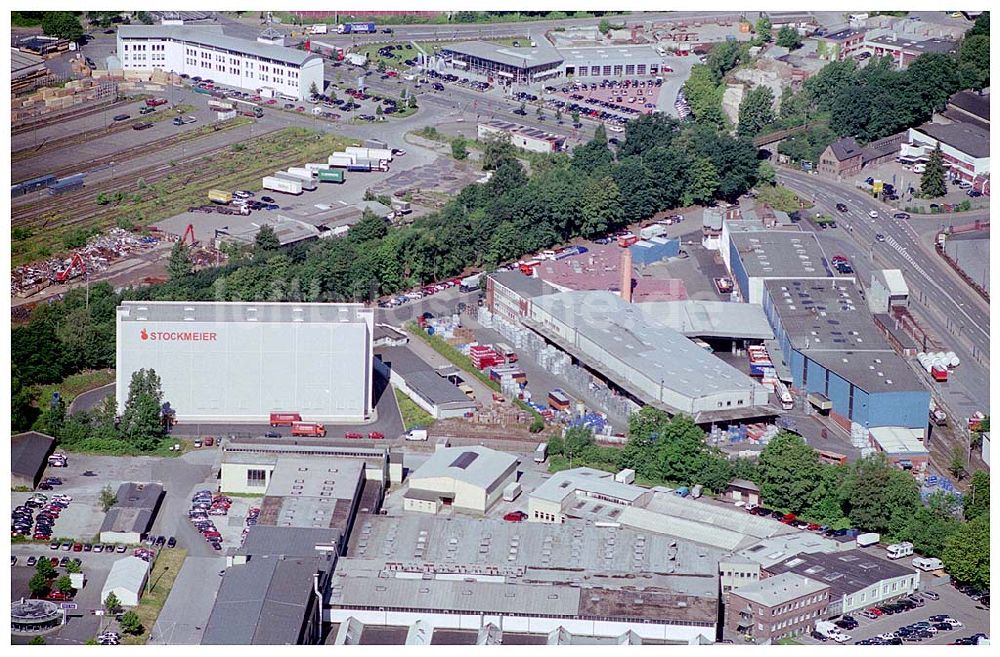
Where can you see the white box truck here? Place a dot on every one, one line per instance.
(320, 28)
(652, 231)
(511, 491)
(283, 185)
(342, 159)
(869, 539)
(416, 434)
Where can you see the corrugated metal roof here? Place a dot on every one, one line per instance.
(219, 311)
(484, 471)
(128, 573)
(778, 590)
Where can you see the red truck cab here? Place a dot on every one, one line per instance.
(312, 429)
(284, 419)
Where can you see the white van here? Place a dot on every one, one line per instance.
(927, 565)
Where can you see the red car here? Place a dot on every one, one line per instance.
(353, 435)
(789, 518)
(813, 526)
(59, 595)
(78, 547)
(516, 516)
(376, 435)
(54, 561)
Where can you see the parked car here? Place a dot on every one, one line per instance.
(121, 117)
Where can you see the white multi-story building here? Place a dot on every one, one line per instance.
(206, 52)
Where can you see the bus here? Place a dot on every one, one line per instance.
(541, 452)
(787, 401)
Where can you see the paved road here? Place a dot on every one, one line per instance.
(90, 399)
(184, 616)
(955, 313)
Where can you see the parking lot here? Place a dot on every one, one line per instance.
(974, 617)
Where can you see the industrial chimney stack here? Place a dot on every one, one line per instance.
(626, 283)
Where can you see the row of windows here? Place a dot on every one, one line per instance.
(545, 516)
(783, 609)
(609, 69)
(520, 614)
(794, 621)
(256, 478)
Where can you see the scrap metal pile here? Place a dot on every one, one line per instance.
(99, 253)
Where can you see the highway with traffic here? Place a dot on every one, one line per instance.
(939, 298)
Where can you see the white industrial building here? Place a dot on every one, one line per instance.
(522, 136)
(655, 364)
(206, 52)
(466, 478)
(126, 580)
(239, 362)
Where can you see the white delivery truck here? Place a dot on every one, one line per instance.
(869, 539)
(511, 491)
(416, 434)
(320, 28)
(283, 185)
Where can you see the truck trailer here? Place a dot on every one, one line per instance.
(220, 196)
(370, 153)
(308, 184)
(868, 539)
(305, 172)
(356, 28)
(283, 185)
(331, 175)
(311, 429)
(342, 159)
(284, 419)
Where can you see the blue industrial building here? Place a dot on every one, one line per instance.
(756, 256)
(646, 252)
(839, 359)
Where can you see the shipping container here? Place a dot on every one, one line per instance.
(331, 175)
(312, 429)
(541, 452)
(342, 159)
(359, 167)
(305, 172)
(284, 419)
(319, 28)
(220, 105)
(307, 184)
(511, 491)
(559, 400)
(627, 240)
(220, 196)
(282, 185)
(316, 167)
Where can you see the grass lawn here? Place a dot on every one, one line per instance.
(161, 580)
(456, 357)
(781, 198)
(413, 415)
(788, 642)
(75, 384)
(509, 41)
(393, 60)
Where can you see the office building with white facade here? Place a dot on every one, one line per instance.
(206, 52)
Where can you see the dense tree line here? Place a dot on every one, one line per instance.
(874, 495)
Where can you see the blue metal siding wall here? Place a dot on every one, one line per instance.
(815, 377)
(899, 409)
(839, 392)
(794, 359)
(739, 272)
(648, 252)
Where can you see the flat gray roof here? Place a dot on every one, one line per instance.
(781, 254)
(478, 466)
(844, 572)
(263, 602)
(655, 352)
(829, 323)
(698, 318)
(587, 480)
(913, 45)
(134, 509)
(543, 55)
(308, 477)
(582, 551)
(211, 36)
(20, 61)
(778, 590)
(263, 540)
(969, 138)
(525, 286)
(422, 379)
(232, 311)
(28, 452)
(612, 54)
(772, 550)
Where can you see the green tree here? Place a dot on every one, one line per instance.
(37, 641)
(45, 568)
(601, 207)
(932, 182)
(458, 148)
(977, 501)
(266, 240)
(131, 623)
(974, 62)
(62, 24)
(766, 173)
(764, 29)
(108, 498)
(879, 495)
(789, 471)
(378, 110)
(930, 526)
(38, 585)
(577, 441)
(756, 111)
(575, 117)
(933, 78)
(594, 156)
(64, 584)
(704, 182)
(966, 555)
(73, 567)
(53, 417)
(537, 425)
(981, 27)
(313, 89)
(112, 604)
(956, 466)
(556, 445)
(788, 37)
(140, 423)
(496, 148)
(179, 266)
(370, 227)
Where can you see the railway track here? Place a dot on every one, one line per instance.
(159, 145)
(69, 140)
(52, 119)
